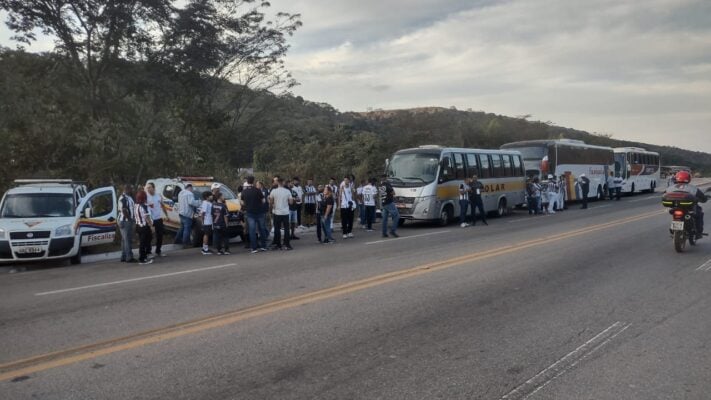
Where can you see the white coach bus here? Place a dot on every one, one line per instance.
(570, 159)
(426, 180)
(639, 169)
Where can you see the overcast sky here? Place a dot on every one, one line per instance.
(638, 70)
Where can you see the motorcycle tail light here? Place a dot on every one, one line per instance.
(678, 214)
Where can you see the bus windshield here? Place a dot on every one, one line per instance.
(532, 153)
(413, 168)
(38, 205)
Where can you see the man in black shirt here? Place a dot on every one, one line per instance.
(253, 202)
(476, 190)
(387, 201)
(585, 189)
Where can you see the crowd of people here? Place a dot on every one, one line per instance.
(554, 192)
(291, 206)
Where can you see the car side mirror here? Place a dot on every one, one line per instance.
(87, 213)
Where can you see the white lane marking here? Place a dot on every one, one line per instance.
(705, 266)
(189, 271)
(407, 237)
(567, 362)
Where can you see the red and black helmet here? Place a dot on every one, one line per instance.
(683, 177)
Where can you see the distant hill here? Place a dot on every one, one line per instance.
(155, 121)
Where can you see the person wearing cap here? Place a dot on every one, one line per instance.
(584, 189)
(187, 203)
(552, 193)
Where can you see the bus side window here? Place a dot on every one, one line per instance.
(496, 165)
(460, 172)
(507, 165)
(518, 171)
(446, 171)
(484, 164)
(472, 165)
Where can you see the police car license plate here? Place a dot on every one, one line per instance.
(677, 225)
(29, 250)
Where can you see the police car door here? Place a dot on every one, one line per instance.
(96, 217)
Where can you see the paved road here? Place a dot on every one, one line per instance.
(585, 304)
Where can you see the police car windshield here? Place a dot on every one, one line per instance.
(226, 193)
(38, 205)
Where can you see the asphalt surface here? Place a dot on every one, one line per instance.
(583, 304)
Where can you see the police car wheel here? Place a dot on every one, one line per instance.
(76, 260)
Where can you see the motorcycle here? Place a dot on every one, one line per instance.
(682, 207)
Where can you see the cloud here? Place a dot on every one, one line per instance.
(632, 69)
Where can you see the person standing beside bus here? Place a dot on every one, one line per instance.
(584, 189)
(387, 200)
(464, 190)
(611, 185)
(552, 194)
(476, 190)
(562, 192)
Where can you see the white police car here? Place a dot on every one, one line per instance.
(43, 219)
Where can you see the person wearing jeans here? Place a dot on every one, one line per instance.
(186, 209)
(387, 199)
(463, 203)
(327, 219)
(257, 222)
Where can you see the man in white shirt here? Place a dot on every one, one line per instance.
(154, 203)
(299, 201)
(310, 197)
(369, 195)
(347, 207)
(280, 199)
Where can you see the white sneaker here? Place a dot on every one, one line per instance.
(345, 236)
(464, 225)
(302, 227)
(350, 235)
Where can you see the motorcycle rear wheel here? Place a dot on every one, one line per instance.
(679, 241)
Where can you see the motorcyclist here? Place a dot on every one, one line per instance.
(683, 184)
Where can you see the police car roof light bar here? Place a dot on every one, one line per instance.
(196, 178)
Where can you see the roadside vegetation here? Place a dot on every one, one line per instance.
(140, 89)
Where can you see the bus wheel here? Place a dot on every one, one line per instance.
(445, 216)
(501, 210)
